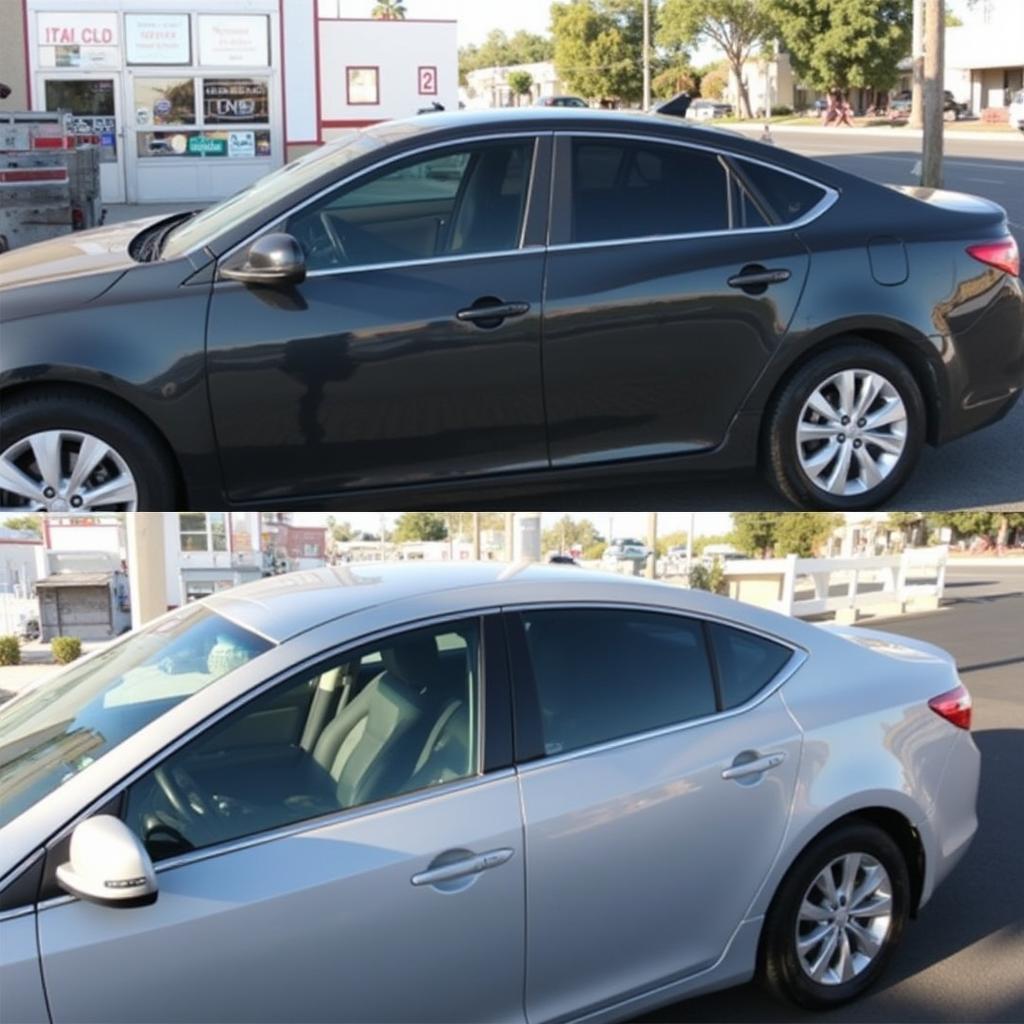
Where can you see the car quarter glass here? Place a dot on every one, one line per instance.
(398, 715)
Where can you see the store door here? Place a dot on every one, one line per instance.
(95, 103)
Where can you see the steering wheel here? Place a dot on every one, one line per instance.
(183, 794)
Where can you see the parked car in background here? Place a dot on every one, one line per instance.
(709, 110)
(627, 550)
(562, 101)
(531, 297)
(1017, 110)
(952, 109)
(325, 778)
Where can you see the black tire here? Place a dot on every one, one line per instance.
(782, 462)
(132, 438)
(779, 967)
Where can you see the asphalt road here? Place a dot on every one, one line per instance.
(984, 470)
(961, 960)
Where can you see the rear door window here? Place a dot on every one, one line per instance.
(788, 198)
(606, 673)
(746, 662)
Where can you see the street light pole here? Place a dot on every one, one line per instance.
(652, 543)
(647, 54)
(934, 46)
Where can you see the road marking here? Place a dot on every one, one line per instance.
(988, 181)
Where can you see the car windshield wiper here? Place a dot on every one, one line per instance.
(148, 246)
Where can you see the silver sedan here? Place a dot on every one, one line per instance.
(468, 793)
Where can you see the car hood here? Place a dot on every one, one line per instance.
(101, 254)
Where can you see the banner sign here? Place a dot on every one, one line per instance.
(158, 39)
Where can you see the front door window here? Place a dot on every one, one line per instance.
(91, 102)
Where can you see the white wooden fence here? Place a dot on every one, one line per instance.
(842, 586)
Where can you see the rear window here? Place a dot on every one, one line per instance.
(787, 197)
(747, 663)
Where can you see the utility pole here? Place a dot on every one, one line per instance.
(652, 543)
(476, 536)
(647, 54)
(934, 57)
(917, 59)
(509, 536)
(147, 575)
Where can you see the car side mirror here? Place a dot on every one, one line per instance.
(108, 864)
(273, 259)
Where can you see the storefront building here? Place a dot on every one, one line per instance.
(192, 100)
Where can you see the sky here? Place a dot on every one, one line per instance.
(624, 524)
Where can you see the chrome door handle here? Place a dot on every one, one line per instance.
(760, 277)
(755, 767)
(497, 313)
(461, 868)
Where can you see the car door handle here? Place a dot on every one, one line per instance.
(758, 278)
(492, 314)
(755, 767)
(461, 868)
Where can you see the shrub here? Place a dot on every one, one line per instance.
(66, 649)
(713, 579)
(781, 111)
(10, 650)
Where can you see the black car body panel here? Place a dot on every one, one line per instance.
(633, 358)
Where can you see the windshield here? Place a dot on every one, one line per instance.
(266, 192)
(68, 722)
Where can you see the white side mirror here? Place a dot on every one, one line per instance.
(108, 865)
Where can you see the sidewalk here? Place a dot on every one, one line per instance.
(881, 131)
(36, 665)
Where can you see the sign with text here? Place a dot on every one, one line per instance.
(235, 100)
(428, 81)
(78, 39)
(158, 39)
(234, 40)
(203, 145)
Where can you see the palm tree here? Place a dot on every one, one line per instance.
(389, 10)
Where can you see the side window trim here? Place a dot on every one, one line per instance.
(532, 234)
(114, 800)
(529, 743)
(560, 236)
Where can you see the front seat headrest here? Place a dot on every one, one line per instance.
(414, 660)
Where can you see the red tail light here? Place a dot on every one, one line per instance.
(954, 706)
(1003, 255)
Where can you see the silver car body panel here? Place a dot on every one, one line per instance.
(644, 876)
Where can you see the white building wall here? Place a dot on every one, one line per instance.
(299, 32)
(402, 53)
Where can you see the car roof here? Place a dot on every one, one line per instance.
(281, 607)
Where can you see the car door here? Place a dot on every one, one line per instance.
(369, 868)
(653, 810)
(670, 284)
(411, 351)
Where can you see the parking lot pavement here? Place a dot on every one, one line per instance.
(961, 960)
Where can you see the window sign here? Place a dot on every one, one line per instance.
(242, 145)
(235, 101)
(78, 39)
(158, 39)
(234, 40)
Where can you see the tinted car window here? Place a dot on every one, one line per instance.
(787, 197)
(394, 716)
(606, 673)
(746, 663)
(636, 189)
(457, 202)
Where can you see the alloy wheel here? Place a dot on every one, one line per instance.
(851, 432)
(66, 471)
(845, 919)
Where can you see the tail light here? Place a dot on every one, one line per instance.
(1003, 255)
(954, 706)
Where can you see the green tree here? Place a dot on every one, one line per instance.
(844, 44)
(803, 533)
(499, 50)
(413, 526)
(520, 82)
(675, 79)
(389, 10)
(598, 47)
(670, 540)
(736, 27)
(754, 532)
(714, 80)
(30, 523)
(568, 533)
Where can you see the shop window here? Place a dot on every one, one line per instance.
(230, 101)
(160, 101)
(203, 531)
(91, 101)
(363, 86)
(232, 145)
